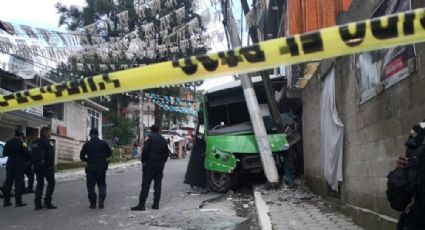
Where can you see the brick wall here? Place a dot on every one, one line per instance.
(310, 15)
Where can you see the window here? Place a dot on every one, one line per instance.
(94, 119)
(54, 111)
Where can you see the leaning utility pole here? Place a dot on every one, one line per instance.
(261, 137)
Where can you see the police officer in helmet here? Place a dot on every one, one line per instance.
(18, 156)
(43, 156)
(154, 155)
(95, 152)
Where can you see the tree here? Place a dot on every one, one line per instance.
(165, 29)
(121, 127)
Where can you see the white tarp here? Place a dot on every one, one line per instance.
(332, 133)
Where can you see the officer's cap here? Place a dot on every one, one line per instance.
(155, 128)
(19, 133)
(94, 132)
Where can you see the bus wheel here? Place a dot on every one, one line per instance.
(221, 182)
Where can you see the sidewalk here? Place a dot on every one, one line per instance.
(297, 209)
(73, 174)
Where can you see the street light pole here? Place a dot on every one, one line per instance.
(261, 136)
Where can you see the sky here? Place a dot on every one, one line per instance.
(37, 13)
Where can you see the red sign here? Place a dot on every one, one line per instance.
(395, 66)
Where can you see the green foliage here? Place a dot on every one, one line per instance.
(120, 127)
(120, 155)
(104, 7)
(71, 17)
(70, 165)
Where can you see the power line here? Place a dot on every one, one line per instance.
(32, 62)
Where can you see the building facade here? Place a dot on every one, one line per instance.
(378, 97)
(70, 122)
(30, 120)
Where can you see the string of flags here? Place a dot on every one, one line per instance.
(171, 101)
(175, 109)
(115, 49)
(173, 104)
(58, 45)
(149, 41)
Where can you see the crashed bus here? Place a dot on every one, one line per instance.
(228, 135)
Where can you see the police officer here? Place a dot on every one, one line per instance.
(29, 172)
(413, 218)
(43, 156)
(18, 156)
(95, 152)
(154, 155)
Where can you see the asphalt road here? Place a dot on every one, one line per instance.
(179, 208)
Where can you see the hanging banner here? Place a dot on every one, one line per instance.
(395, 60)
(385, 32)
(387, 66)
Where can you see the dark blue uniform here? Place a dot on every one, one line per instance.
(43, 154)
(95, 152)
(415, 218)
(18, 157)
(155, 154)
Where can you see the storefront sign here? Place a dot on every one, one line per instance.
(36, 111)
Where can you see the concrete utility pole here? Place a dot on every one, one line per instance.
(261, 137)
(274, 110)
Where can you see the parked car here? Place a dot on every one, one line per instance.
(3, 161)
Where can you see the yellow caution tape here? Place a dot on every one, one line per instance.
(388, 31)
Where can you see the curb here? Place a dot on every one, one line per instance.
(263, 217)
(80, 173)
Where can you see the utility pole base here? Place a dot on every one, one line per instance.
(272, 186)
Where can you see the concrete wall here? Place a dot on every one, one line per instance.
(312, 136)
(148, 112)
(76, 121)
(375, 131)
